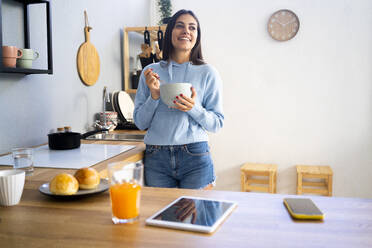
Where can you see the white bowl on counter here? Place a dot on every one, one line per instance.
(11, 186)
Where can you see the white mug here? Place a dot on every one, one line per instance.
(28, 55)
(11, 186)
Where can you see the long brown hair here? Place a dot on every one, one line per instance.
(196, 56)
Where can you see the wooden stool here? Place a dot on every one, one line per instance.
(324, 173)
(249, 170)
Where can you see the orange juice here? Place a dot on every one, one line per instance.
(125, 200)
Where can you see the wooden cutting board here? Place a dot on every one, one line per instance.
(88, 60)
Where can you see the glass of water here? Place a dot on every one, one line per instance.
(23, 159)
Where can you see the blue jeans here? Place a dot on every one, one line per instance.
(179, 166)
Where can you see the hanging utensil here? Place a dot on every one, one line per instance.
(146, 37)
(87, 58)
(160, 39)
(146, 57)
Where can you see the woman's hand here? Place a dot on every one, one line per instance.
(152, 81)
(185, 103)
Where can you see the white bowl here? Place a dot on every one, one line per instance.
(168, 92)
(11, 186)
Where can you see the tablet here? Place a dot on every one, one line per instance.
(303, 208)
(193, 214)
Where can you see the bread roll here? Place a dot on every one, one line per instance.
(88, 178)
(64, 184)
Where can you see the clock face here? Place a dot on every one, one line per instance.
(283, 25)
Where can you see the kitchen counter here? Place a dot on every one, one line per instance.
(260, 220)
(133, 155)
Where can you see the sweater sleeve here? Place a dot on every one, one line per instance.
(145, 105)
(209, 113)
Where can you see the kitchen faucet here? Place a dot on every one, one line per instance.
(106, 99)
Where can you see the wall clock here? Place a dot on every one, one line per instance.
(283, 25)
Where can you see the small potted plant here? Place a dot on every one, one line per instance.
(165, 9)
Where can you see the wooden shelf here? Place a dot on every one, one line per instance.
(153, 37)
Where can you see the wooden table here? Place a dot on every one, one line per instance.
(260, 220)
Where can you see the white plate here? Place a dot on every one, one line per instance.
(126, 105)
(102, 187)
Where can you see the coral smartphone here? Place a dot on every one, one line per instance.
(303, 208)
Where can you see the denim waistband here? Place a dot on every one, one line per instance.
(171, 146)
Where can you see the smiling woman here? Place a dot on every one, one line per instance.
(184, 36)
(177, 151)
(183, 21)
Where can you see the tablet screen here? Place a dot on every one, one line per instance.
(193, 212)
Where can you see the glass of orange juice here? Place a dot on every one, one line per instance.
(125, 191)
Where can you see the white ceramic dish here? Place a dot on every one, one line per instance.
(115, 102)
(11, 186)
(126, 105)
(102, 187)
(169, 91)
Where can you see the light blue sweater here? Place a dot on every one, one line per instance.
(167, 126)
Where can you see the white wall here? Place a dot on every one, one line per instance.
(304, 101)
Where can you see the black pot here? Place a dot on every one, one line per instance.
(68, 140)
